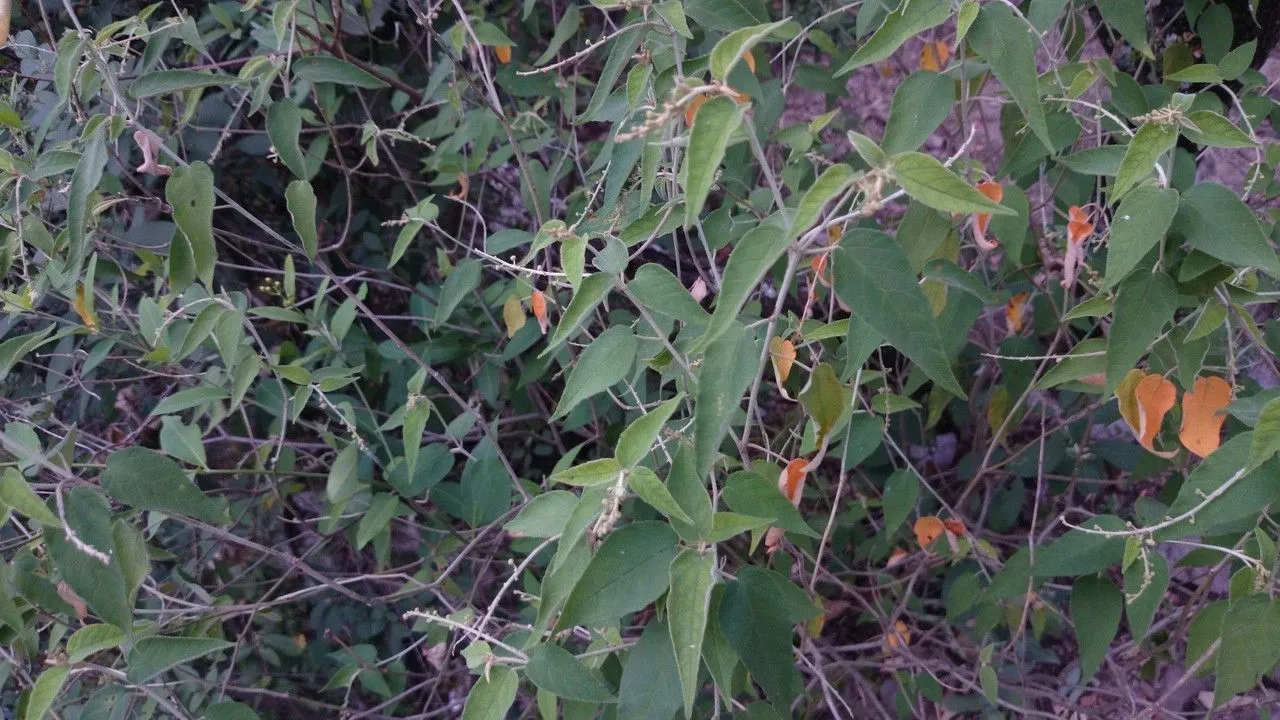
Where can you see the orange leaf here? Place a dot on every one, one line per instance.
(994, 191)
(1078, 225)
(791, 481)
(954, 526)
(896, 557)
(928, 58)
(504, 53)
(1155, 397)
(692, 110)
(464, 187)
(783, 354)
(899, 637)
(750, 59)
(944, 51)
(538, 302)
(1202, 416)
(1015, 312)
(929, 528)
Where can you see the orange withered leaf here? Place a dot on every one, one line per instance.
(538, 303)
(783, 354)
(692, 110)
(1155, 397)
(150, 143)
(995, 192)
(896, 557)
(464, 187)
(1078, 230)
(504, 53)
(750, 59)
(1015, 312)
(928, 528)
(1127, 401)
(741, 97)
(954, 526)
(899, 637)
(934, 55)
(791, 481)
(1202, 415)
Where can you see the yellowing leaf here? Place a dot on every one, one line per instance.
(898, 638)
(1202, 415)
(1155, 397)
(1125, 397)
(513, 315)
(692, 110)
(928, 528)
(750, 58)
(82, 308)
(994, 191)
(783, 354)
(504, 53)
(934, 55)
(1015, 312)
(954, 526)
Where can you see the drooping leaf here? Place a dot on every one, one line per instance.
(45, 691)
(922, 101)
(713, 125)
(900, 25)
(1129, 18)
(873, 278)
(754, 254)
(82, 563)
(144, 479)
(1145, 583)
(650, 687)
(153, 655)
(731, 48)
(827, 187)
(727, 369)
(1250, 646)
(1203, 412)
(688, 603)
(756, 616)
(589, 294)
(556, 670)
(462, 280)
(1146, 302)
(825, 398)
(1095, 612)
(190, 193)
(301, 201)
(1146, 147)
(1004, 40)
(1139, 225)
(1212, 219)
(326, 69)
(605, 362)
(646, 483)
(932, 183)
(160, 82)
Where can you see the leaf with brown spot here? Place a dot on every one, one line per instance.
(1155, 397)
(929, 528)
(1202, 415)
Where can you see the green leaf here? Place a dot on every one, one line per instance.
(621, 50)
(824, 398)
(1129, 18)
(726, 15)
(182, 441)
(690, 491)
(605, 362)
(1145, 304)
(589, 294)
(947, 272)
(626, 574)
(149, 481)
(752, 257)
(753, 618)
(650, 688)
(725, 525)
(15, 493)
(556, 670)
(230, 710)
(325, 69)
(750, 493)
(132, 555)
(592, 472)
(544, 516)
(1212, 219)
(1095, 612)
(190, 193)
(101, 584)
(688, 602)
(343, 480)
(869, 150)
(462, 280)
(1143, 595)
(1001, 38)
(1231, 509)
(713, 125)
(646, 483)
(301, 201)
(1211, 129)
(568, 26)
(930, 182)
(1145, 149)
(1139, 224)
(922, 101)
(153, 655)
(187, 399)
(911, 18)
(636, 440)
(161, 82)
(726, 371)
(284, 125)
(872, 277)
(91, 639)
(1250, 646)
(1104, 160)
(1233, 64)
(728, 52)
(1266, 437)
(45, 692)
(492, 696)
(376, 518)
(1198, 73)
(828, 186)
(1078, 552)
(84, 180)
(901, 493)
(661, 292)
